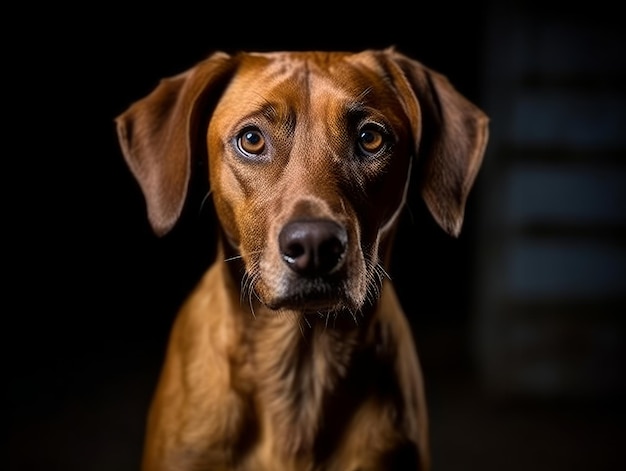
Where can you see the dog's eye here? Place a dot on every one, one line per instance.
(372, 139)
(251, 141)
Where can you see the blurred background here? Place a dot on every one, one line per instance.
(520, 322)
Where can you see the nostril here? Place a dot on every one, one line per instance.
(313, 247)
(331, 251)
(293, 251)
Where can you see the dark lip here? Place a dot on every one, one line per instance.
(311, 296)
(306, 305)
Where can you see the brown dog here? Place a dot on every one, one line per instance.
(293, 352)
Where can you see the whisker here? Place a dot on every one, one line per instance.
(204, 200)
(376, 276)
(301, 329)
(246, 279)
(356, 322)
(363, 94)
(252, 292)
(234, 257)
(256, 295)
(380, 269)
(251, 303)
(239, 256)
(242, 289)
(295, 319)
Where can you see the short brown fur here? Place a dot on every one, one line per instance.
(293, 352)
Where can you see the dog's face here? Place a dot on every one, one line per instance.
(309, 163)
(310, 156)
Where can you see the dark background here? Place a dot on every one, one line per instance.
(91, 292)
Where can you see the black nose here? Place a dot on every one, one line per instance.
(314, 247)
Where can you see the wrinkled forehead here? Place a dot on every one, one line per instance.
(311, 81)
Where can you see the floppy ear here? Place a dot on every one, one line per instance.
(158, 136)
(451, 135)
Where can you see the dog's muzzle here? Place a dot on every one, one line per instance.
(313, 273)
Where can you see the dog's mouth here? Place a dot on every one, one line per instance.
(310, 295)
(347, 289)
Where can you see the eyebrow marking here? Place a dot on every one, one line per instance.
(278, 114)
(364, 93)
(357, 104)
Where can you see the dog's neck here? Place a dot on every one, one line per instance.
(299, 363)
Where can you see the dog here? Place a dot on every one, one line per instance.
(293, 352)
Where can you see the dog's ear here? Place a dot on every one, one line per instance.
(158, 136)
(451, 134)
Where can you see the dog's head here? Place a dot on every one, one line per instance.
(310, 157)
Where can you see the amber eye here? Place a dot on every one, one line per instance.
(251, 141)
(372, 139)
